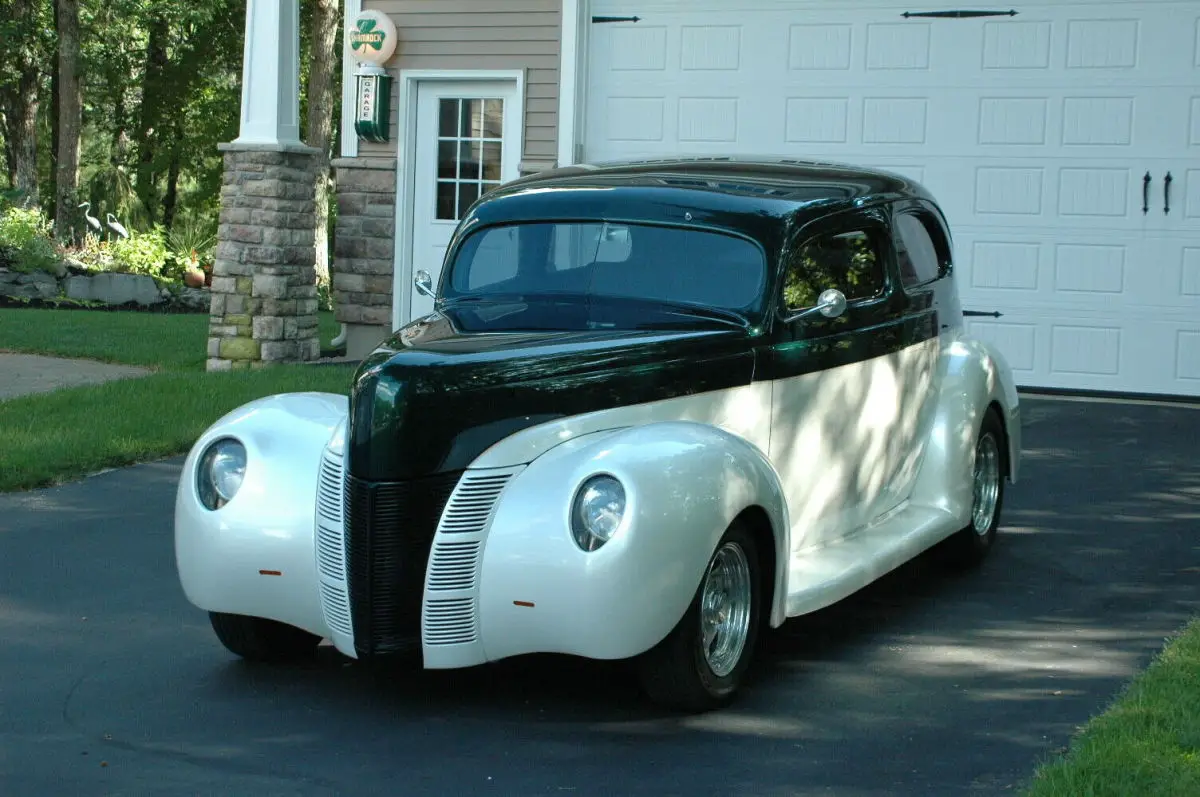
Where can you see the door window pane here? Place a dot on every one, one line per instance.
(847, 261)
(470, 153)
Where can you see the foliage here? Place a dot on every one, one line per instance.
(1147, 743)
(144, 253)
(25, 240)
(844, 262)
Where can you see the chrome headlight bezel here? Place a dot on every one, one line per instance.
(220, 472)
(598, 511)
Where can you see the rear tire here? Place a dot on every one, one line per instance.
(701, 664)
(970, 545)
(259, 639)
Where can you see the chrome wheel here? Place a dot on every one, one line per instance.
(987, 483)
(725, 609)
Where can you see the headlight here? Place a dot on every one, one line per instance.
(597, 512)
(220, 472)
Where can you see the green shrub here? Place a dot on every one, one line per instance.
(25, 235)
(144, 253)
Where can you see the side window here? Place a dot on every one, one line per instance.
(848, 261)
(918, 255)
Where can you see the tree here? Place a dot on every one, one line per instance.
(19, 78)
(70, 120)
(322, 70)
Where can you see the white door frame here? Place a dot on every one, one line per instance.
(410, 81)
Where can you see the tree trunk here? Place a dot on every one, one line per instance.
(55, 101)
(10, 155)
(172, 195)
(70, 120)
(23, 105)
(151, 114)
(322, 71)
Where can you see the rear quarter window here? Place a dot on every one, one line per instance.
(921, 250)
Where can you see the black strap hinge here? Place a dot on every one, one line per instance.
(616, 19)
(958, 14)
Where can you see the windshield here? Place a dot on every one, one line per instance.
(628, 263)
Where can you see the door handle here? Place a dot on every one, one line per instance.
(1167, 193)
(1146, 194)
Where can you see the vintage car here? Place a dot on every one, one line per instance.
(659, 406)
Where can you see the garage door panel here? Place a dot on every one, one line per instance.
(1118, 43)
(1148, 277)
(1097, 352)
(1034, 132)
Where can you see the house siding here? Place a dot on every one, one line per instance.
(481, 34)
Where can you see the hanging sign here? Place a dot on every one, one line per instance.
(371, 41)
(372, 38)
(373, 110)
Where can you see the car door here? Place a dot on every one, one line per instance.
(843, 426)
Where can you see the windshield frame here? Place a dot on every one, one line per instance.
(754, 315)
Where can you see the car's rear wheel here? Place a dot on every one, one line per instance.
(971, 544)
(259, 639)
(701, 664)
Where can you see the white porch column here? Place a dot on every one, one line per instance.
(271, 74)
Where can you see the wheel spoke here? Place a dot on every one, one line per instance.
(725, 609)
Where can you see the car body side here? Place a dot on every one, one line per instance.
(824, 453)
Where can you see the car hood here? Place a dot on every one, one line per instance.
(432, 398)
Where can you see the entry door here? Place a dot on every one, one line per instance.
(467, 143)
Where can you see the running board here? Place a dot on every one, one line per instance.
(823, 576)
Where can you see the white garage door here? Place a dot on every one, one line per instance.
(1034, 131)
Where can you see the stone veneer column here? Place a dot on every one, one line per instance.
(364, 250)
(264, 293)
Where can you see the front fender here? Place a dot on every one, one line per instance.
(228, 559)
(685, 483)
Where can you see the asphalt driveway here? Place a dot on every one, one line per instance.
(925, 684)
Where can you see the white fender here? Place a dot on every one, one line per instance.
(974, 375)
(685, 482)
(270, 523)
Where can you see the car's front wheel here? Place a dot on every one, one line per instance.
(259, 639)
(702, 662)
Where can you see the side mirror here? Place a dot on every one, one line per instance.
(831, 304)
(423, 282)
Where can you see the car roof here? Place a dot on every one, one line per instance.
(758, 196)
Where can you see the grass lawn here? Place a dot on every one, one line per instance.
(157, 340)
(1147, 744)
(48, 438)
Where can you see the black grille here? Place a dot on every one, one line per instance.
(389, 532)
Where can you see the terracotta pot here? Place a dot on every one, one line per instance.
(193, 278)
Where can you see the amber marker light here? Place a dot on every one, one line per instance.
(527, 604)
(270, 572)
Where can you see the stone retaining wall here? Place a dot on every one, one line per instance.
(106, 288)
(264, 306)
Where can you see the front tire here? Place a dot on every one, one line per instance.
(259, 639)
(701, 664)
(971, 544)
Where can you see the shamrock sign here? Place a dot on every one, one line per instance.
(367, 36)
(372, 37)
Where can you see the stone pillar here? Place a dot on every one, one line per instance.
(264, 293)
(364, 261)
